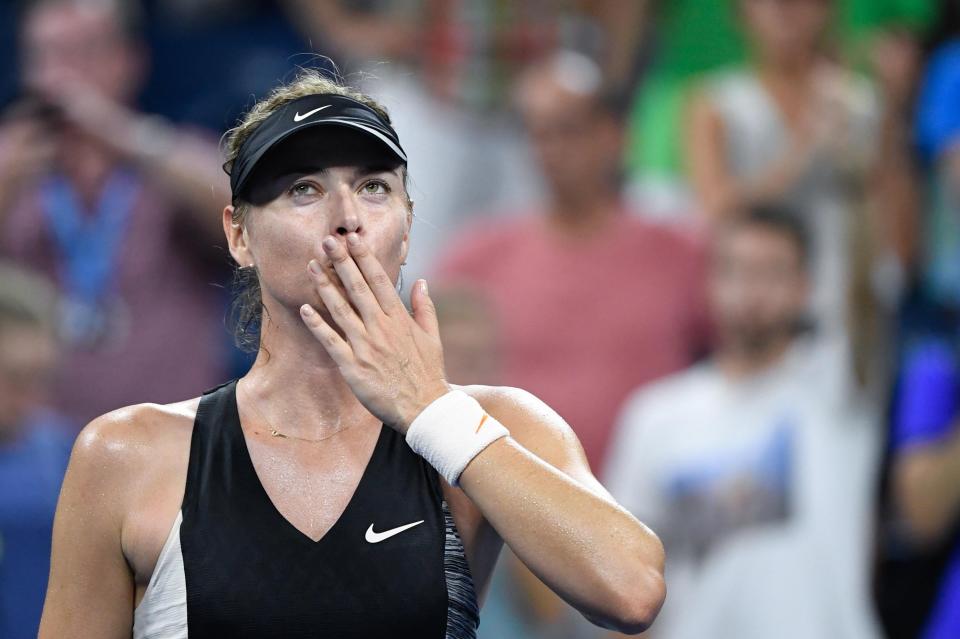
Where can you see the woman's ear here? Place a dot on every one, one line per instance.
(236, 238)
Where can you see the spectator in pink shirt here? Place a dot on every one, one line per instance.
(591, 300)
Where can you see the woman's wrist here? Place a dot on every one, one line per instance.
(451, 431)
(427, 396)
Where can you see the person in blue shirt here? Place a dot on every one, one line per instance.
(925, 446)
(34, 448)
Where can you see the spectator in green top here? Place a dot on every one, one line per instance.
(697, 36)
(795, 126)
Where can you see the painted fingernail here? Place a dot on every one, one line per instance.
(329, 243)
(423, 287)
(306, 310)
(353, 239)
(314, 267)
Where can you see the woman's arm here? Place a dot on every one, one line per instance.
(535, 489)
(891, 187)
(27, 150)
(926, 480)
(90, 593)
(558, 520)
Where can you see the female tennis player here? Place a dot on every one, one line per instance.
(342, 488)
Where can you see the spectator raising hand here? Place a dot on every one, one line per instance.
(793, 126)
(119, 208)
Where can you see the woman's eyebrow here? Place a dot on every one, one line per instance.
(375, 168)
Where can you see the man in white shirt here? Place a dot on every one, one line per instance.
(756, 466)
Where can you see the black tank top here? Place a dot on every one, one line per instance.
(250, 573)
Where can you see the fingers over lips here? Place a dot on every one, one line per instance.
(376, 278)
(337, 305)
(353, 280)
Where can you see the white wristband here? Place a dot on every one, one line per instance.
(451, 431)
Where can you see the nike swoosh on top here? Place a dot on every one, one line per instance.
(377, 537)
(297, 117)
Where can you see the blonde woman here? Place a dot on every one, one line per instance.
(342, 488)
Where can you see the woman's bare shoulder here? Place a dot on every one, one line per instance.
(135, 439)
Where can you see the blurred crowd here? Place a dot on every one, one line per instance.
(720, 238)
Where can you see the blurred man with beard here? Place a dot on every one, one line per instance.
(755, 467)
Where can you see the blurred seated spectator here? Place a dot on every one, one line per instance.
(925, 446)
(590, 300)
(34, 447)
(794, 126)
(754, 467)
(121, 209)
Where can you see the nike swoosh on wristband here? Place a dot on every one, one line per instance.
(480, 425)
(297, 117)
(377, 537)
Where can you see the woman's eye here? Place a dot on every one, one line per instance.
(376, 187)
(303, 188)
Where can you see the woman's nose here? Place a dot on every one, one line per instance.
(347, 216)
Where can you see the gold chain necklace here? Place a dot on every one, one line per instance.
(276, 433)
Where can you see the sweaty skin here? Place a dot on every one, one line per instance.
(351, 355)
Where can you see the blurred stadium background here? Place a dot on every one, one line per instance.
(720, 237)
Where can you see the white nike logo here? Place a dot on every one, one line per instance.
(297, 117)
(377, 537)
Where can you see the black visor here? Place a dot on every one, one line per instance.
(306, 112)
